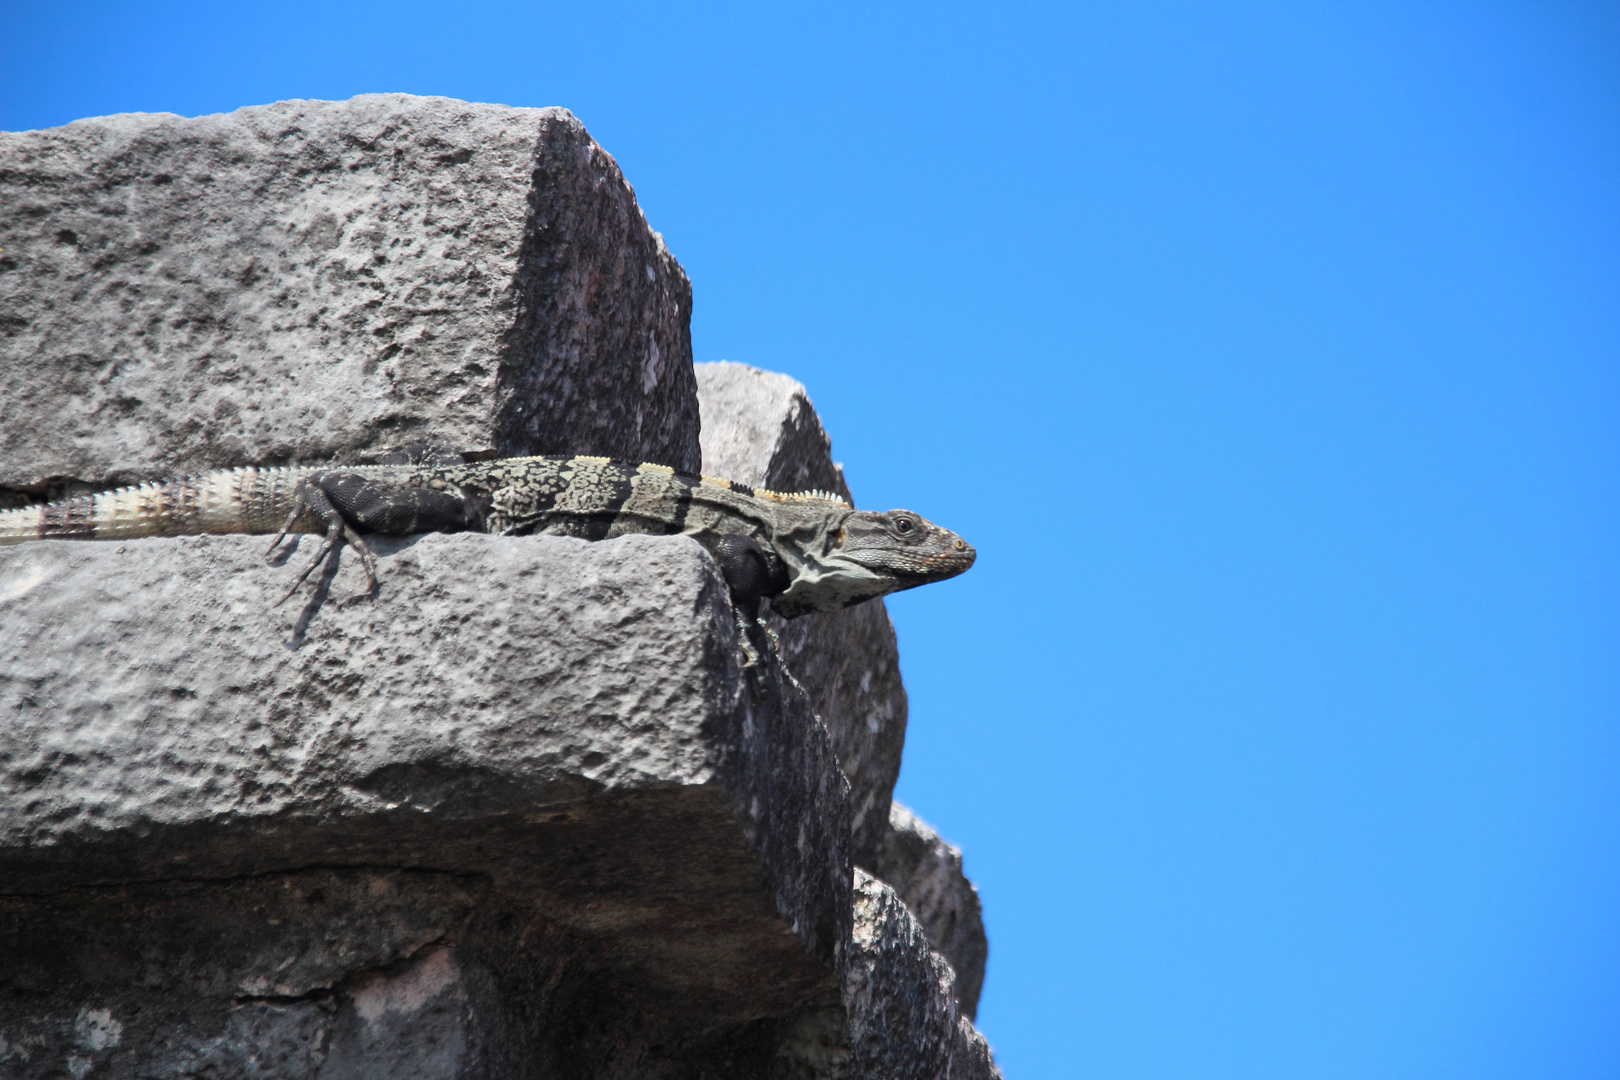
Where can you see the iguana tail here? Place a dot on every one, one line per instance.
(247, 500)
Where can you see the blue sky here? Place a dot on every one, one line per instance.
(1267, 352)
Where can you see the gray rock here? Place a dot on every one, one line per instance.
(900, 999)
(316, 972)
(323, 281)
(900, 1019)
(519, 814)
(759, 428)
(927, 874)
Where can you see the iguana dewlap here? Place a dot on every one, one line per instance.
(807, 551)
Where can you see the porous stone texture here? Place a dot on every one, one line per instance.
(900, 998)
(759, 428)
(900, 1016)
(927, 874)
(317, 281)
(520, 814)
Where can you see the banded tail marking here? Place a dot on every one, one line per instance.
(244, 500)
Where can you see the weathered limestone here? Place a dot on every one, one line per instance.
(927, 874)
(313, 281)
(760, 428)
(536, 756)
(521, 813)
(901, 1000)
(900, 1016)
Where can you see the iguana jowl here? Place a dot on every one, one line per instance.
(807, 551)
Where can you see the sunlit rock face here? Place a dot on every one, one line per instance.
(760, 428)
(520, 812)
(313, 281)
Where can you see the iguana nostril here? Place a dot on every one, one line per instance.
(960, 544)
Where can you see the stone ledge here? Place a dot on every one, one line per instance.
(553, 734)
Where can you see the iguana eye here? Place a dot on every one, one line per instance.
(902, 524)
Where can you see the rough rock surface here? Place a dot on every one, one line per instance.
(900, 998)
(520, 813)
(927, 874)
(759, 428)
(323, 281)
(900, 1017)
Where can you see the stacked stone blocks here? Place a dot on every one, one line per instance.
(521, 813)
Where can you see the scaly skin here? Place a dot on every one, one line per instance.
(806, 551)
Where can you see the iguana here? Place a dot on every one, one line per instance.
(806, 551)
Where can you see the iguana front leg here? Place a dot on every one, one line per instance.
(752, 573)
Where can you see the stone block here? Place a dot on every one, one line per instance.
(900, 998)
(317, 281)
(927, 874)
(519, 814)
(759, 428)
(900, 1019)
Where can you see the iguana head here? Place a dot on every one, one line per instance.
(862, 554)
